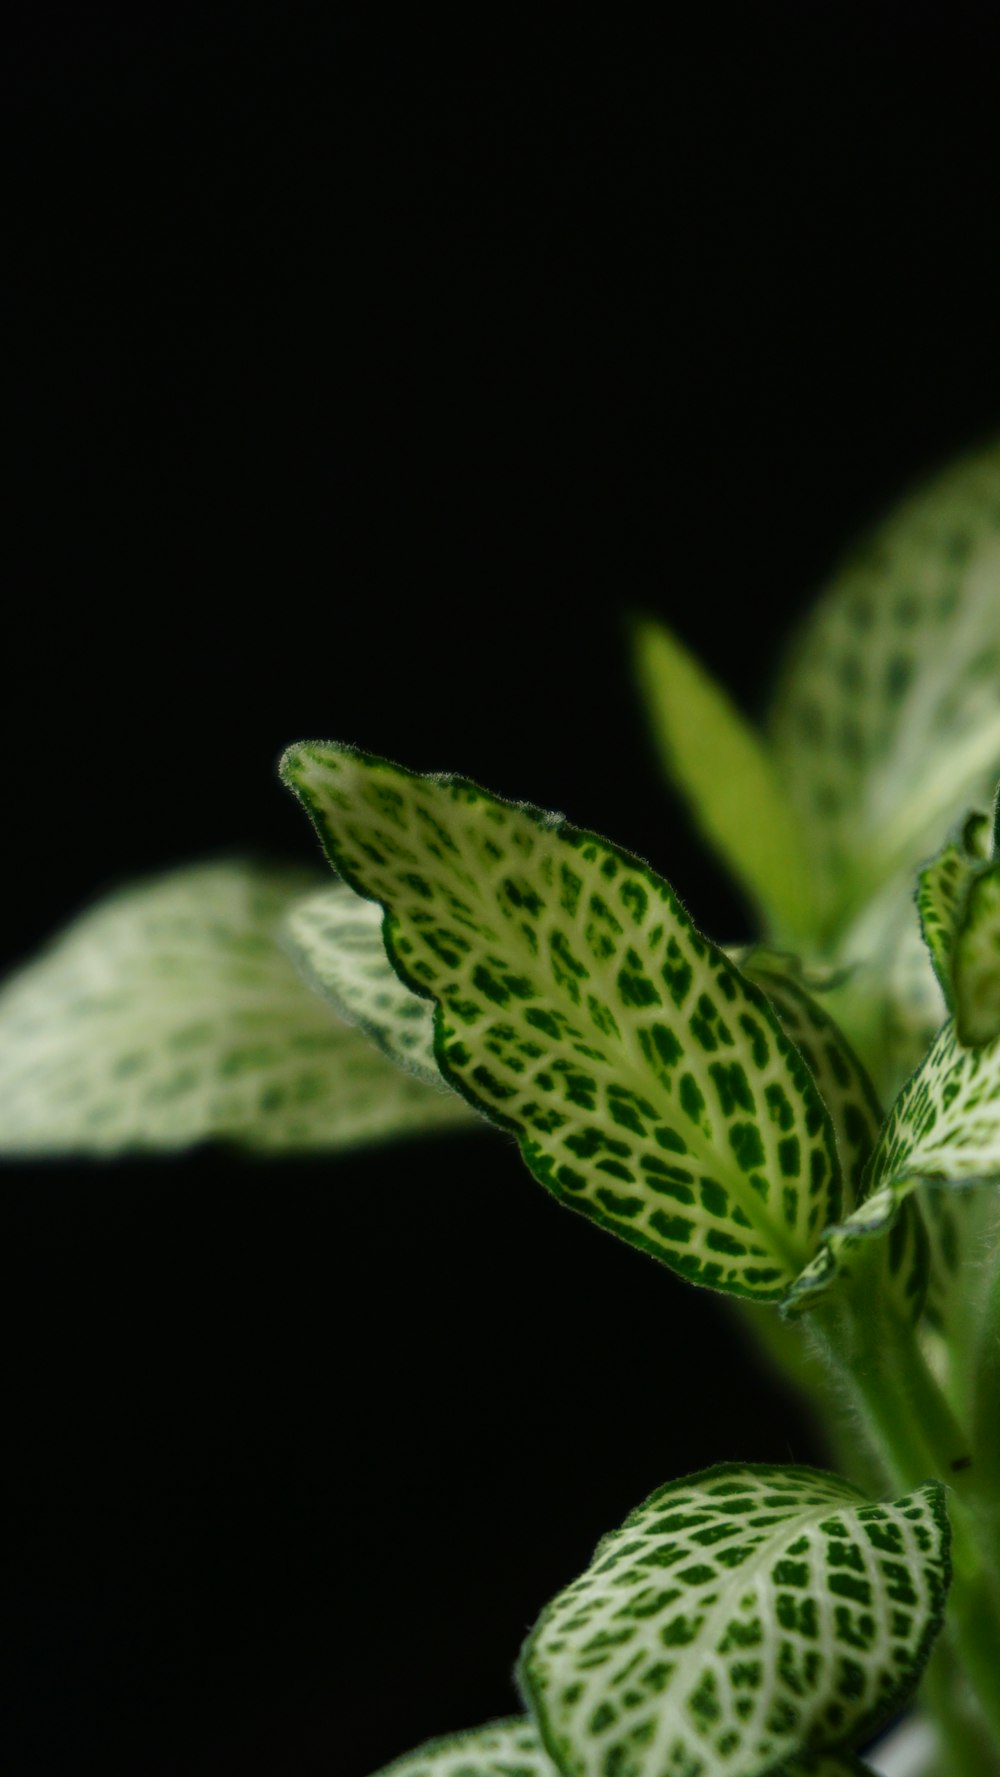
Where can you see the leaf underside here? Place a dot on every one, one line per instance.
(737, 1620)
(335, 939)
(724, 767)
(887, 715)
(650, 1086)
(168, 1014)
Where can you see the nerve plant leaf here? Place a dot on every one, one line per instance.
(843, 1084)
(649, 1085)
(335, 938)
(737, 1620)
(500, 1749)
(888, 712)
(945, 1124)
(169, 1014)
(723, 766)
(943, 1128)
(513, 1749)
(942, 886)
(958, 899)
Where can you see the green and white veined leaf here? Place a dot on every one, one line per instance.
(841, 1079)
(943, 1128)
(945, 1124)
(723, 766)
(976, 960)
(887, 714)
(335, 939)
(856, 1115)
(513, 1749)
(500, 1749)
(739, 1619)
(168, 1014)
(958, 899)
(649, 1085)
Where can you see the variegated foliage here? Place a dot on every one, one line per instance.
(887, 716)
(500, 1749)
(336, 939)
(944, 1128)
(840, 1077)
(737, 1619)
(169, 1014)
(513, 1749)
(885, 722)
(650, 1085)
(958, 898)
(904, 1274)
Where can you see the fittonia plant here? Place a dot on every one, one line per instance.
(724, 1111)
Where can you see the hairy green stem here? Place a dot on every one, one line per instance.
(959, 1722)
(908, 1421)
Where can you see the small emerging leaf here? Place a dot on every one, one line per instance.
(944, 1128)
(168, 1014)
(648, 1083)
(500, 1749)
(737, 1620)
(942, 886)
(977, 960)
(945, 1124)
(724, 767)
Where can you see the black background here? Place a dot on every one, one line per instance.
(365, 370)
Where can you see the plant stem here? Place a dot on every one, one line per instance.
(877, 1359)
(959, 1723)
